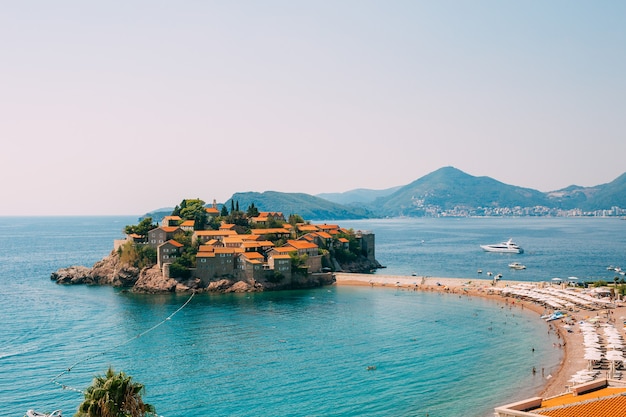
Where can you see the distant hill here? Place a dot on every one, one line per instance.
(599, 197)
(449, 187)
(360, 195)
(307, 206)
(158, 214)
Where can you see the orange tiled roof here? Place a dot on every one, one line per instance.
(188, 223)
(270, 213)
(327, 227)
(212, 210)
(174, 243)
(259, 244)
(307, 228)
(228, 250)
(309, 237)
(170, 229)
(253, 255)
(172, 218)
(301, 244)
(206, 248)
(611, 406)
(343, 240)
(215, 232)
(324, 235)
(269, 231)
(233, 239)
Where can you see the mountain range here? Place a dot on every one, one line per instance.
(447, 191)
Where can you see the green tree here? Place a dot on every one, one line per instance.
(224, 211)
(252, 211)
(194, 209)
(114, 395)
(295, 219)
(298, 262)
(215, 222)
(142, 228)
(179, 269)
(137, 255)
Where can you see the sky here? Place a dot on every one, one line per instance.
(122, 107)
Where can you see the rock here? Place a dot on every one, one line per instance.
(219, 286)
(108, 271)
(72, 275)
(240, 286)
(151, 280)
(111, 271)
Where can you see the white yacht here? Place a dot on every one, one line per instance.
(505, 247)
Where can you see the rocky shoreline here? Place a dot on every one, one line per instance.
(111, 271)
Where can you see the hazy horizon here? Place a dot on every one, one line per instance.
(121, 107)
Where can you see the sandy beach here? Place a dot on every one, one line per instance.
(572, 342)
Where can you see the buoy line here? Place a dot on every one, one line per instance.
(55, 380)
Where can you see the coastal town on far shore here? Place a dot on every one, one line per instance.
(518, 211)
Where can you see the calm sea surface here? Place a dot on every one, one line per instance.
(296, 353)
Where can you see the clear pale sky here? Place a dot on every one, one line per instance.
(121, 107)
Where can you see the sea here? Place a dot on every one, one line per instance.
(331, 351)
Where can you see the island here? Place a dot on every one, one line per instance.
(202, 248)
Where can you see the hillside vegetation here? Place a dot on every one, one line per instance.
(446, 191)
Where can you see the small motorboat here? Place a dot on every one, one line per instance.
(516, 265)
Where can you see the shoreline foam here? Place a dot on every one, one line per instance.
(572, 359)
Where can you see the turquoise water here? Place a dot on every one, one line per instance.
(450, 247)
(295, 353)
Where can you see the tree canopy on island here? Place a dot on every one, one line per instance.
(192, 209)
(142, 228)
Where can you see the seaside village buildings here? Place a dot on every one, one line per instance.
(251, 257)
